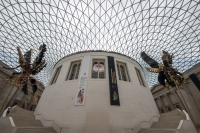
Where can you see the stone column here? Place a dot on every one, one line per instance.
(169, 101)
(22, 101)
(179, 100)
(156, 103)
(14, 97)
(30, 103)
(162, 104)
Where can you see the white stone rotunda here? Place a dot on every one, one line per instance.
(97, 91)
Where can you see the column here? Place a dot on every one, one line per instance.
(162, 104)
(22, 101)
(14, 97)
(178, 99)
(169, 101)
(156, 103)
(30, 103)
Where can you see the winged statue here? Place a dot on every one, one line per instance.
(28, 69)
(167, 75)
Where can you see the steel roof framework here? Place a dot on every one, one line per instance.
(126, 26)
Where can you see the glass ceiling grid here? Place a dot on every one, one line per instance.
(125, 26)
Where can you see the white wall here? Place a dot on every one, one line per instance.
(136, 102)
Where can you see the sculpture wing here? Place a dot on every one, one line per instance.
(27, 56)
(11, 68)
(21, 57)
(170, 56)
(25, 89)
(34, 85)
(38, 68)
(40, 55)
(164, 52)
(161, 78)
(154, 70)
(149, 60)
(39, 64)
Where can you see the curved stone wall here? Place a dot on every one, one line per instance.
(58, 100)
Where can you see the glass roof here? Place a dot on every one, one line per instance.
(125, 26)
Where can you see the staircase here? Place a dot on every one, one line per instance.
(168, 123)
(25, 122)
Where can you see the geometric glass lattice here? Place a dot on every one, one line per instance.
(124, 26)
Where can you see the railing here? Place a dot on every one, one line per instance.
(60, 128)
(10, 118)
(186, 114)
(181, 121)
(139, 125)
(5, 111)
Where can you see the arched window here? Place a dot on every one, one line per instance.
(95, 70)
(101, 70)
(77, 70)
(73, 73)
(119, 73)
(54, 79)
(122, 71)
(98, 69)
(74, 70)
(139, 77)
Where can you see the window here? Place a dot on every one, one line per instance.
(98, 69)
(139, 77)
(56, 75)
(122, 72)
(74, 70)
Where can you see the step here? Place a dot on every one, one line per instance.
(24, 122)
(35, 130)
(22, 116)
(22, 112)
(155, 130)
(17, 108)
(166, 125)
(171, 118)
(171, 113)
